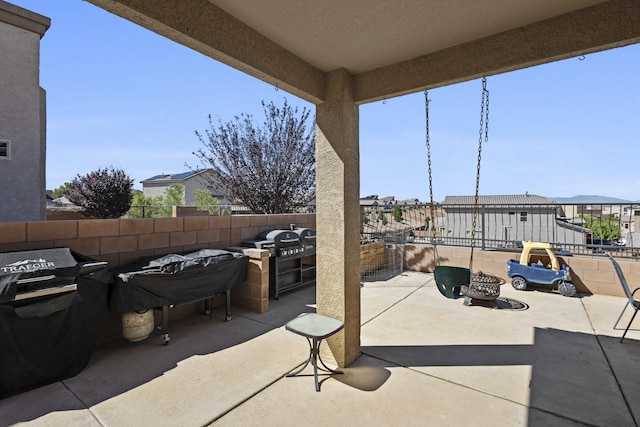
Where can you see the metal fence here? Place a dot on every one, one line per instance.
(575, 228)
(160, 211)
(147, 211)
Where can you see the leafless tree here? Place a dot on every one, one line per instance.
(268, 168)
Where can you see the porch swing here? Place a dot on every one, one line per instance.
(456, 282)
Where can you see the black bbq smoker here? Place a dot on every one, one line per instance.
(52, 304)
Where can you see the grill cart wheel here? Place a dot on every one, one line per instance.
(519, 283)
(566, 289)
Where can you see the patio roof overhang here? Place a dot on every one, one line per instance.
(391, 48)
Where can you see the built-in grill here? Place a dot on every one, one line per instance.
(292, 257)
(307, 239)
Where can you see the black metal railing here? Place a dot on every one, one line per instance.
(579, 228)
(160, 211)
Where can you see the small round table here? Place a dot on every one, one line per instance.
(314, 327)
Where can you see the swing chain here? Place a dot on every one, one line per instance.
(484, 132)
(428, 142)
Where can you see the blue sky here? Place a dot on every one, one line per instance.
(119, 95)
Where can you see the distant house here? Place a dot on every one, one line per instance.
(369, 201)
(414, 201)
(387, 202)
(509, 218)
(192, 180)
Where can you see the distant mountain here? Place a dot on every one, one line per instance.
(595, 200)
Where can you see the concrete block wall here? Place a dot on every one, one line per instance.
(184, 211)
(253, 293)
(590, 274)
(121, 241)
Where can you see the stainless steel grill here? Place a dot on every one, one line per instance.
(292, 257)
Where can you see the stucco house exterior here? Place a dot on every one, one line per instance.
(191, 180)
(22, 115)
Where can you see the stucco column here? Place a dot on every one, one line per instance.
(338, 213)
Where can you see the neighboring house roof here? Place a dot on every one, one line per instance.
(368, 202)
(387, 200)
(375, 201)
(513, 199)
(408, 201)
(61, 203)
(176, 177)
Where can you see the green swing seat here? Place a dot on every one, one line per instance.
(455, 282)
(450, 280)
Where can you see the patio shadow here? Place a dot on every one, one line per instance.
(571, 377)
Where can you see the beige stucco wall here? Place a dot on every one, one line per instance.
(338, 214)
(22, 115)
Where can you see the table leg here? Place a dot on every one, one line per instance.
(297, 371)
(314, 356)
(315, 352)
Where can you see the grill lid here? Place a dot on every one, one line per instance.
(281, 237)
(305, 233)
(28, 274)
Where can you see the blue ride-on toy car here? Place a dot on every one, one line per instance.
(523, 272)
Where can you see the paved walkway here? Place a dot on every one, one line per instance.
(426, 360)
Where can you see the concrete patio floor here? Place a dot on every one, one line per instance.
(426, 361)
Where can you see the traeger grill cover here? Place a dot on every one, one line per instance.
(176, 279)
(47, 338)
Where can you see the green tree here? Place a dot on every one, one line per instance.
(104, 193)
(427, 221)
(174, 195)
(205, 201)
(59, 192)
(158, 206)
(397, 213)
(145, 206)
(381, 216)
(269, 168)
(606, 227)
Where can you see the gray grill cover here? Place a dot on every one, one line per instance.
(176, 279)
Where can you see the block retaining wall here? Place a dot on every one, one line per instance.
(591, 274)
(121, 241)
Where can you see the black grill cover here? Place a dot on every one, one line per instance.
(48, 338)
(176, 279)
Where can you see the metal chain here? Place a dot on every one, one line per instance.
(428, 142)
(484, 132)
